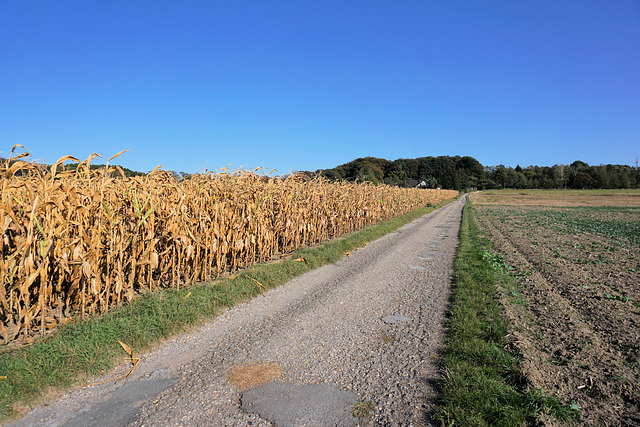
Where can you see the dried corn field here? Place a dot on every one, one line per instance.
(83, 241)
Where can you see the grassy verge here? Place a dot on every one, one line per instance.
(482, 384)
(88, 347)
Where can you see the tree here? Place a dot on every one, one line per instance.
(558, 176)
(579, 165)
(500, 176)
(581, 180)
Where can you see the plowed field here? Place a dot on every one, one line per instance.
(574, 302)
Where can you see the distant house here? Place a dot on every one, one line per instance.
(418, 184)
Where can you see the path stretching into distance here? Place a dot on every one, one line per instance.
(364, 331)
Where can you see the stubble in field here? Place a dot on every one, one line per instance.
(558, 198)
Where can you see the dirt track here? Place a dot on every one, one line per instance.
(362, 332)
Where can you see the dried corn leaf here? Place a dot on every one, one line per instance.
(126, 348)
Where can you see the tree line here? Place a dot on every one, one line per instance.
(464, 173)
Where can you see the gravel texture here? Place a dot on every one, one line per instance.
(369, 327)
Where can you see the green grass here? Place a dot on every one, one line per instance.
(88, 347)
(482, 383)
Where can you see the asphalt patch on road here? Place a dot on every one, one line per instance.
(429, 254)
(127, 399)
(395, 318)
(285, 404)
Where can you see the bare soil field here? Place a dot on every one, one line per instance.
(574, 302)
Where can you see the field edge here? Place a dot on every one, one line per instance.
(482, 383)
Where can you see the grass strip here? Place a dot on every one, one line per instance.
(482, 383)
(85, 348)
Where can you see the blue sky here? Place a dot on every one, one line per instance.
(304, 85)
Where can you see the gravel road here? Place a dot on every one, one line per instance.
(362, 333)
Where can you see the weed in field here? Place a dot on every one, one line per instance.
(517, 299)
(496, 261)
(526, 273)
(584, 343)
(617, 297)
(556, 360)
(539, 336)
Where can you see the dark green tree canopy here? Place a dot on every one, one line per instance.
(462, 173)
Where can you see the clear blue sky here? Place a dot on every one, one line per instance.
(304, 85)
